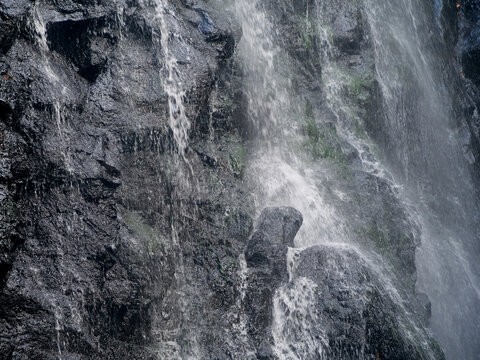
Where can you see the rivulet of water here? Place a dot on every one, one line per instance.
(56, 94)
(172, 81)
(174, 86)
(57, 90)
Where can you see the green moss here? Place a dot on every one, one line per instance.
(321, 141)
(237, 160)
(228, 267)
(359, 86)
(307, 31)
(152, 237)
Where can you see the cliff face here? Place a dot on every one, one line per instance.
(468, 50)
(126, 217)
(460, 24)
(112, 244)
(469, 39)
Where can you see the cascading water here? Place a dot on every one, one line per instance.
(179, 124)
(280, 175)
(172, 84)
(423, 147)
(421, 152)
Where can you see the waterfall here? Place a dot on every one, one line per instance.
(173, 84)
(416, 152)
(412, 67)
(178, 121)
(281, 176)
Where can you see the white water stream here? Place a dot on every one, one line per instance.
(57, 91)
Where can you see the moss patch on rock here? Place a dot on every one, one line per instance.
(321, 139)
(237, 160)
(152, 238)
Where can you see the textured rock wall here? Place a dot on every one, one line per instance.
(116, 245)
(460, 21)
(468, 51)
(112, 245)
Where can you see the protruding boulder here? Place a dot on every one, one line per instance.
(281, 223)
(276, 230)
(266, 256)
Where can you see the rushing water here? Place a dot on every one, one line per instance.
(281, 176)
(425, 153)
(421, 151)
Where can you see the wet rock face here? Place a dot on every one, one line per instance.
(115, 246)
(347, 25)
(349, 309)
(466, 25)
(78, 42)
(109, 246)
(460, 22)
(470, 39)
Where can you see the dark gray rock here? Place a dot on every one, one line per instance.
(115, 246)
(276, 231)
(110, 248)
(347, 27)
(466, 27)
(469, 42)
(266, 256)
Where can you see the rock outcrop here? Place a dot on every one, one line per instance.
(347, 311)
(266, 257)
